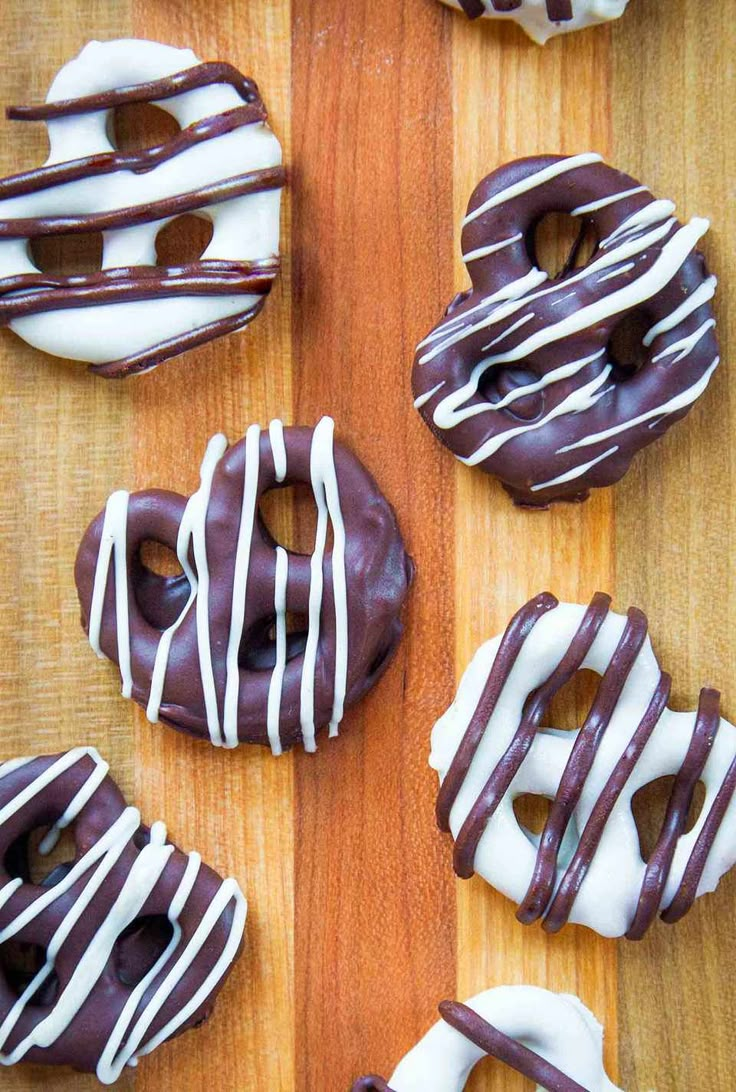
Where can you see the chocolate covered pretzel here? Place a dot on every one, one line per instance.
(542, 19)
(505, 1023)
(208, 651)
(520, 378)
(115, 951)
(224, 165)
(494, 745)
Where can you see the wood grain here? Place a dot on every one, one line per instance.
(375, 928)
(675, 520)
(389, 112)
(504, 555)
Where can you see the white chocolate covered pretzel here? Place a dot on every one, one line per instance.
(542, 19)
(224, 165)
(550, 1038)
(494, 745)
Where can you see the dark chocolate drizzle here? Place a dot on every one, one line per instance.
(271, 178)
(542, 901)
(30, 294)
(495, 1044)
(201, 75)
(473, 8)
(558, 11)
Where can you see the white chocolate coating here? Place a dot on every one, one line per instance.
(506, 854)
(128, 1040)
(244, 228)
(532, 16)
(558, 1027)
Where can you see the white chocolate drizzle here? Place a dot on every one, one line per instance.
(127, 1040)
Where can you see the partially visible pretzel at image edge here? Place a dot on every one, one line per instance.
(223, 157)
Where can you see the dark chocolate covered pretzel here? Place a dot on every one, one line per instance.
(208, 651)
(116, 950)
(520, 378)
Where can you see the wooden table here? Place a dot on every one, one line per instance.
(390, 111)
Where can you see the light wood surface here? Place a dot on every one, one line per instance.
(390, 111)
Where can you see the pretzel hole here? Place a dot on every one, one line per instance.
(139, 125)
(498, 382)
(288, 515)
(532, 812)
(571, 705)
(160, 585)
(258, 646)
(559, 243)
(183, 240)
(67, 255)
(25, 861)
(140, 946)
(626, 348)
(20, 962)
(649, 807)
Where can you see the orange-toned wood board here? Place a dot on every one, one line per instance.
(389, 111)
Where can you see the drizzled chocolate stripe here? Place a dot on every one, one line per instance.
(201, 75)
(34, 293)
(561, 906)
(660, 862)
(585, 748)
(271, 178)
(507, 1050)
(516, 633)
(558, 11)
(541, 899)
(473, 8)
(56, 174)
(157, 354)
(511, 762)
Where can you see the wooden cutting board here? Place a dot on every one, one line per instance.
(390, 111)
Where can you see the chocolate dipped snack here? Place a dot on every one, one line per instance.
(208, 651)
(224, 165)
(521, 378)
(494, 745)
(550, 1038)
(542, 19)
(115, 951)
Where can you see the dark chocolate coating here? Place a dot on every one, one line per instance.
(541, 454)
(495, 1044)
(378, 574)
(542, 901)
(83, 1041)
(32, 294)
